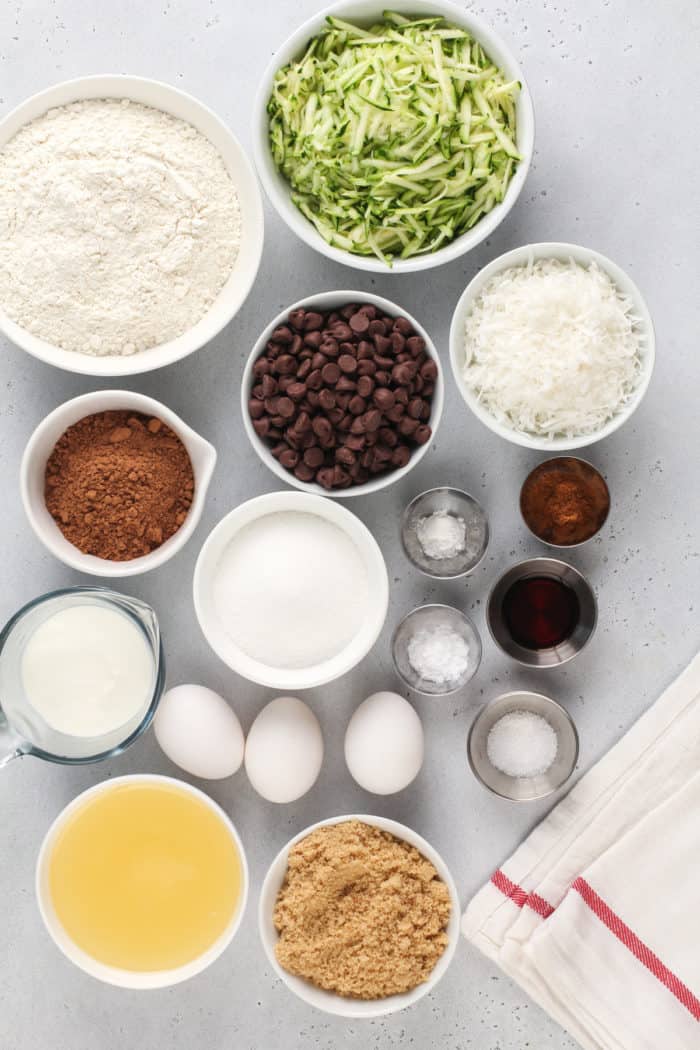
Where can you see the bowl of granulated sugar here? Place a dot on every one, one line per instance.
(137, 225)
(291, 590)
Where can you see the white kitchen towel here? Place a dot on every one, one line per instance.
(597, 914)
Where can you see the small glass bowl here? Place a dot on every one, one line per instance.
(427, 616)
(460, 505)
(523, 789)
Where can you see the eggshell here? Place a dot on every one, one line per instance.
(199, 732)
(384, 744)
(284, 750)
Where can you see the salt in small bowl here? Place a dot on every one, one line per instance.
(430, 616)
(523, 789)
(459, 504)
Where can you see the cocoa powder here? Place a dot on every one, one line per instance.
(119, 484)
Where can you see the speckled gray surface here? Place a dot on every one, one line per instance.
(615, 168)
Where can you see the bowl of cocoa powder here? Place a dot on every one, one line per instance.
(113, 482)
(359, 916)
(342, 394)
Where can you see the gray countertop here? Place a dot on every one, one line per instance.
(616, 169)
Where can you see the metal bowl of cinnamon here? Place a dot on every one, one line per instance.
(113, 483)
(564, 501)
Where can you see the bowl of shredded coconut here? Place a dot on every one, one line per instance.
(131, 225)
(552, 346)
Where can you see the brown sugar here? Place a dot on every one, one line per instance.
(360, 913)
(118, 484)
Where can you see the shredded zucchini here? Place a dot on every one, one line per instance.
(395, 139)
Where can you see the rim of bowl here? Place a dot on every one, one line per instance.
(338, 1005)
(370, 552)
(549, 702)
(564, 546)
(487, 527)
(201, 452)
(186, 107)
(519, 257)
(329, 301)
(472, 626)
(581, 579)
(114, 975)
(277, 191)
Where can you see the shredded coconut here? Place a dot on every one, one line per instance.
(522, 744)
(552, 348)
(119, 226)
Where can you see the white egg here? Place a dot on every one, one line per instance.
(199, 732)
(284, 750)
(384, 744)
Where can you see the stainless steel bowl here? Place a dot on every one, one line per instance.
(558, 654)
(430, 616)
(460, 505)
(523, 789)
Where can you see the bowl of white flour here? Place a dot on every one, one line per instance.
(291, 590)
(131, 225)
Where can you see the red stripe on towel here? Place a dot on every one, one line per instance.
(638, 948)
(521, 897)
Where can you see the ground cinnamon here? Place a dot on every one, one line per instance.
(119, 484)
(564, 501)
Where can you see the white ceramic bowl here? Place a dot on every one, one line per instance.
(519, 257)
(278, 189)
(329, 1002)
(232, 295)
(112, 974)
(328, 301)
(40, 446)
(214, 631)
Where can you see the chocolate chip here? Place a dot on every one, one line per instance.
(326, 400)
(255, 408)
(415, 407)
(359, 322)
(347, 364)
(422, 434)
(296, 391)
(303, 473)
(285, 407)
(384, 399)
(285, 364)
(289, 458)
(357, 405)
(365, 386)
(315, 379)
(330, 373)
(313, 457)
(401, 456)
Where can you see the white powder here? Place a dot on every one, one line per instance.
(522, 744)
(439, 654)
(441, 535)
(291, 590)
(119, 226)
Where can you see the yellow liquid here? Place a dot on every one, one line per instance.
(144, 877)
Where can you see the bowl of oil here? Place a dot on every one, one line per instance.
(108, 887)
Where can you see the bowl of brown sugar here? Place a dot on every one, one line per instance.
(359, 916)
(113, 482)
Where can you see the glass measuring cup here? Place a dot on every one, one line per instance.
(23, 731)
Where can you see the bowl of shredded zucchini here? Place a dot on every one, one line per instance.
(393, 140)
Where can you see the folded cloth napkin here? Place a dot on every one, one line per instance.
(597, 914)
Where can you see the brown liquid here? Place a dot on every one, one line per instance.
(540, 612)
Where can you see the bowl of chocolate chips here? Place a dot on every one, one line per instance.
(342, 394)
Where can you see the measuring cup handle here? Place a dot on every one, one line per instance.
(11, 744)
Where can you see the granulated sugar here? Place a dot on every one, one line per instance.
(291, 590)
